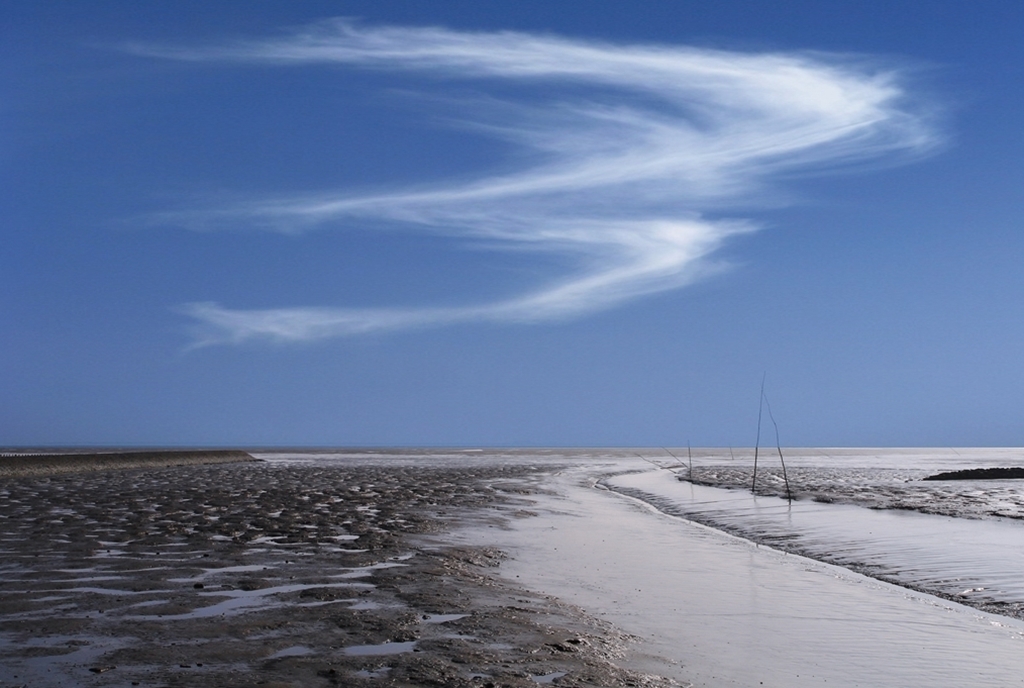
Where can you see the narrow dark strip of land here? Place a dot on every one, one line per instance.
(1009, 473)
(53, 464)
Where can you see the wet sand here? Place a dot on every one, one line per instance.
(443, 568)
(720, 611)
(243, 574)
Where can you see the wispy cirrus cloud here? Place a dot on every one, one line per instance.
(635, 157)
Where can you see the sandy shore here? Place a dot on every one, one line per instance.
(245, 574)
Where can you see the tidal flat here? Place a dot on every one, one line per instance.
(281, 574)
(515, 568)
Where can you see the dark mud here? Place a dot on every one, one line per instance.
(874, 488)
(22, 465)
(1012, 473)
(277, 575)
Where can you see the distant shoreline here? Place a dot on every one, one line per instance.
(34, 465)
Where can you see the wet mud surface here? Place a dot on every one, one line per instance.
(15, 465)
(1007, 473)
(279, 575)
(933, 557)
(876, 488)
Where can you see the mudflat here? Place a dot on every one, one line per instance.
(251, 573)
(53, 463)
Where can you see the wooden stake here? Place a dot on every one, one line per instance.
(757, 442)
(673, 456)
(778, 444)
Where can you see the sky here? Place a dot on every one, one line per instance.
(511, 223)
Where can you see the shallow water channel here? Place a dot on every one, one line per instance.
(960, 557)
(716, 610)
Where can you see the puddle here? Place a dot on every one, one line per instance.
(109, 591)
(366, 605)
(88, 579)
(549, 678)
(321, 603)
(443, 618)
(90, 569)
(294, 651)
(245, 600)
(148, 603)
(363, 571)
(63, 667)
(207, 573)
(382, 649)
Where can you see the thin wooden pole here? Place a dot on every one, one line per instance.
(778, 444)
(653, 463)
(757, 442)
(673, 456)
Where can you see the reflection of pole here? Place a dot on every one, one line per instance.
(757, 442)
(778, 444)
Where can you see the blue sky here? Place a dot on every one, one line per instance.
(511, 223)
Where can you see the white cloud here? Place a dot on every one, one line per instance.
(635, 157)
